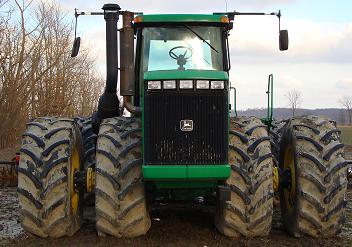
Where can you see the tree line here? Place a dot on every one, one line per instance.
(37, 75)
(295, 99)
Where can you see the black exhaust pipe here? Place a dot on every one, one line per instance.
(109, 104)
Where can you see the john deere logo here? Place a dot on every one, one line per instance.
(186, 125)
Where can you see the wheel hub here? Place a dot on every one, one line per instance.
(288, 178)
(75, 164)
(85, 180)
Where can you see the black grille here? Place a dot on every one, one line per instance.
(165, 143)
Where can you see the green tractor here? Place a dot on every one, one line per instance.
(178, 143)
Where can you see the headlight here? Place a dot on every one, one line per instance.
(186, 84)
(202, 84)
(152, 85)
(217, 85)
(169, 84)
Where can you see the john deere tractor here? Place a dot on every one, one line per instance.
(178, 142)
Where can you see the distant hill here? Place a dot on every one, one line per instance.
(337, 114)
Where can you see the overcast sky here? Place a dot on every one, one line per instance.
(318, 62)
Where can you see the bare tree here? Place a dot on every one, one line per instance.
(295, 100)
(37, 75)
(346, 102)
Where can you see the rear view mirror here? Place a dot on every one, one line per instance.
(283, 40)
(75, 47)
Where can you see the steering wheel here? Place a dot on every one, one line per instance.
(174, 56)
(181, 58)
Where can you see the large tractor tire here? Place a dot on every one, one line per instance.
(51, 152)
(314, 169)
(89, 140)
(249, 213)
(120, 202)
(275, 134)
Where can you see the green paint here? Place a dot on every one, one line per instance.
(141, 88)
(186, 74)
(186, 172)
(208, 172)
(164, 172)
(182, 18)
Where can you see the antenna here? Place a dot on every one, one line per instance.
(226, 5)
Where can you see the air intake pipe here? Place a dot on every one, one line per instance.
(109, 104)
(127, 77)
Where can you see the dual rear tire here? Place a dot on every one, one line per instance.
(311, 151)
(313, 178)
(53, 151)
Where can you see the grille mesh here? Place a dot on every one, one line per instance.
(165, 143)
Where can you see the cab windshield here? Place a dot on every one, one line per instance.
(182, 48)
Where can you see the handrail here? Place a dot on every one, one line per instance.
(234, 100)
(269, 116)
(270, 94)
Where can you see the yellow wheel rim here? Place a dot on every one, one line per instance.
(90, 182)
(75, 164)
(290, 193)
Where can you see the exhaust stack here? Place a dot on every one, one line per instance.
(109, 104)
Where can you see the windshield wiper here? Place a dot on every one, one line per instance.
(201, 38)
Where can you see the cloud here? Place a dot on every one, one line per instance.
(318, 62)
(187, 6)
(309, 41)
(344, 85)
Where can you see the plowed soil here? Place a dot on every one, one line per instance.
(171, 226)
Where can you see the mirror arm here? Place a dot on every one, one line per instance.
(76, 17)
(279, 16)
(231, 15)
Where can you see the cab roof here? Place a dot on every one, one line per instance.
(214, 18)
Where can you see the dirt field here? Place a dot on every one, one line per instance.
(183, 226)
(180, 226)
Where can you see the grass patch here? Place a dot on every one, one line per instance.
(346, 134)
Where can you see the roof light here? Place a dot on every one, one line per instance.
(138, 19)
(224, 19)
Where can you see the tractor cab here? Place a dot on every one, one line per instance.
(181, 42)
(182, 72)
(181, 45)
